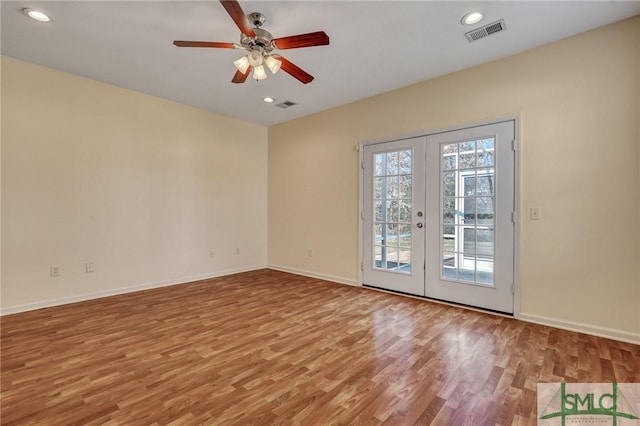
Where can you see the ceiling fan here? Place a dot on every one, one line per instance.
(261, 45)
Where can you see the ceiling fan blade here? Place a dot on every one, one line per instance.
(295, 71)
(184, 43)
(239, 17)
(240, 77)
(319, 38)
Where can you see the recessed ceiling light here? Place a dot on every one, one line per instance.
(268, 100)
(472, 18)
(36, 14)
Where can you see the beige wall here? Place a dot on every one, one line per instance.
(578, 100)
(145, 188)
(142, 187)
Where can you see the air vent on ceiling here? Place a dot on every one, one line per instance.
(285, 104)
(487, 30)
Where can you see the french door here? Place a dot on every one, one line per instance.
(394, 215)
(437, 216)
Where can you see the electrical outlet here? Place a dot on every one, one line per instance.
(310, 252)
(88, 267)
(237, 250)
(535, 213)
(54, 271)
(212, 253)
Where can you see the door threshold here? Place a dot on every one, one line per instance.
(443, 302)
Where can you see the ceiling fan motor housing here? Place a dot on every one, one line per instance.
(261, 41)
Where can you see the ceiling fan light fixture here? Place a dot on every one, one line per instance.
(260, 43)
(472, 17)
(255, 58)
(273, 64)
(259, 73)
(242, 64)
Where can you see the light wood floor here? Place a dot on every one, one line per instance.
(267, 347)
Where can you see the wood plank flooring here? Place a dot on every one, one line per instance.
(267, 347)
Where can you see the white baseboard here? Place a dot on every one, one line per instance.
(311, 274)
(106, 293)
(609, 333)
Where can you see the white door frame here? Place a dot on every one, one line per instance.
(517, 305)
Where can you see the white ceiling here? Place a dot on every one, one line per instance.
(376, 46)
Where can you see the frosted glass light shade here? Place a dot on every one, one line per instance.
(273, 64)
(242, 64)
(255, 58)
(259, 73)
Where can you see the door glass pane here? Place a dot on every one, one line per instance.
(392, 163)
(449, 266)
(466, 147)
(378, 215)
(484, 211)
(486, 152)
(485, 241)
(405, 211)
(467, 182)
(392, 258)
(467, 161)
(469, 240)
(392, 192)
(468, 214)
(449, 162)
(392, 211)
(404, 257)
(448, 242)
(377, 188)
(377, 233)
(377, 257)
(450, 148)
(448, 210)
(484, 274)
(405, 162)
(485, 182)
(449, 184)
(392, 234)
(404, 186)
(392, 187)
(404, 236)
